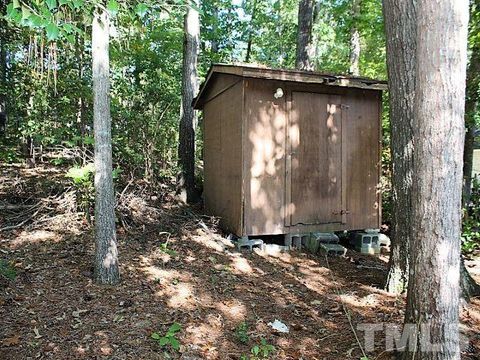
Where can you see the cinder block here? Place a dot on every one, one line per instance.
(245, 242)
(333, 249)
(296, 240)
(325, 238)
(367, 243)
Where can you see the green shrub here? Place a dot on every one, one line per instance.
(471, 221)
(241, 333)
(7, 270)
(169, 339)
(82, 179)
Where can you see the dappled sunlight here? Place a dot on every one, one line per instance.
(354, 300)
(176, 287)
(34, 237)
(233, 309)
(215, 242)
(266, 163)
(240, 265)
(207, 333)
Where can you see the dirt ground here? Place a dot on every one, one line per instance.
(177, 267)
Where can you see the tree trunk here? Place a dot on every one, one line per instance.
(214, 41)
(304, 57)
(250, 33)
(186, 147)
(355, 39)
(106, 253)
(3, 60)
(400, 28)
(438, 130)
(79, 46)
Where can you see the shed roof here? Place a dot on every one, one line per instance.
(253, 71)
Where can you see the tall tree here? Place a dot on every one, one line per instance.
(250, 32)
(400, 29)
(355, 39)
(186, 146)
(3, 56)
(438, 130)
(305, 49)
(106, 253)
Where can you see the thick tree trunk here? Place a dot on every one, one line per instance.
(355, 39)
(400, 28)
(438, 130)
(304, 57)
(106, 253)
(186, 147)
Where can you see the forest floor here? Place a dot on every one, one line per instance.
(176, 267)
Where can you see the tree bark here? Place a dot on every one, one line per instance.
(438, 129)
(304, 56)
(250, 32)
(400, 28)
(186, 147)
(106, 253)
(355, 39)
(3, 58)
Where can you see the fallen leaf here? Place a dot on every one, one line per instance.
(11, 341)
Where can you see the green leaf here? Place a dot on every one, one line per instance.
(52, 4)
(88, 140)
(175, 343)
(36, 21)
(63, 2)
(163, 341)
(52, 31)
(174, 328)
(68, 28)
(16, 4)
(76, 4)
(112, 7)
(70, 38)
(14, 14)
(25, 13)
(155, 336)
(141, 9)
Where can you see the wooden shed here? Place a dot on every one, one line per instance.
(289, 152)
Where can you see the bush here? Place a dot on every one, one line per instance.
(471, 220)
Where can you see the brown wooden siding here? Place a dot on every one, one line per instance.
(223, 157)
(264, 157)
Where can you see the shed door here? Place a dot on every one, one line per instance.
(315, 133)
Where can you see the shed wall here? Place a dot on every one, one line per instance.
(264, 158)
(223, 154)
